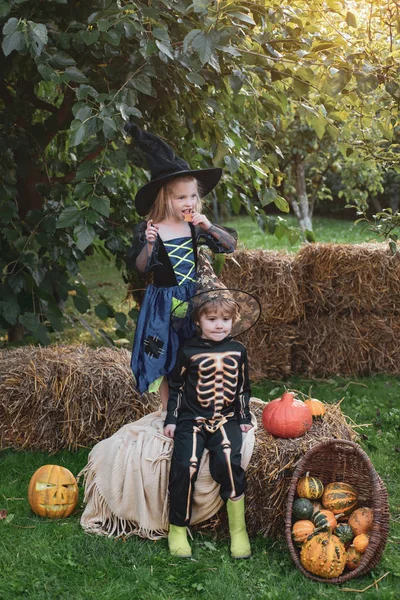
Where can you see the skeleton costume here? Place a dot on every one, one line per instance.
(209, 399)
(173, 263)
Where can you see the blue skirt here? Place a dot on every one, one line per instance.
(156, 343)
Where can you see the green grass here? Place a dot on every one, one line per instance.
(44, 559)
(326, 230)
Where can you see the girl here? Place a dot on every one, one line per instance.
(166, 243)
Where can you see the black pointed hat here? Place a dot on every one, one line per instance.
(164, 165)
(210, 288)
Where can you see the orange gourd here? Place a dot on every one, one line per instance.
(353, 558)
(324, 520)
(316, 407)
(301, 530)
(361, 520)
(339, 497)
(361, 542)
(53, 492)
(287, 417)
(323, 555)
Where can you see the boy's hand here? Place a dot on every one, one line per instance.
(169, 431)
(151, 232)
(201, 220)
(245, 427)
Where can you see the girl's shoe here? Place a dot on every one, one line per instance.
(178, 543)
(240, 545)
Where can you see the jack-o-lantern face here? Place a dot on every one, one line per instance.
(53, 492)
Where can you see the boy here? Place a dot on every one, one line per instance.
(208, 407)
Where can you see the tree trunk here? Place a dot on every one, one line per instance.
(15, 333)
(301, 206)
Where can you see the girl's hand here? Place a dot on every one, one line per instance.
(201, 220)
(245, 427)
(169, 431)
(151, 232)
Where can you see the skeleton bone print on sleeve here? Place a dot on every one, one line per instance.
(218, 376)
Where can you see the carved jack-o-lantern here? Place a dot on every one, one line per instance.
(53, 492)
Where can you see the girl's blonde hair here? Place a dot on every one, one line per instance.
(162, 204)
(228, 306)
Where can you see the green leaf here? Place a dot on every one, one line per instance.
(142, 83)
(83, 91)
(187, 42)
(204, 44)
(161, 34)
(83, 113)
(165, 48)
(351, 19)
(9, 311)
(121, 318)
(61, 59)
(78, 135)
(90, 36)
(10, 26)
(15, 41)
(109, 128)
(196, 78)
(5, 8)
(268, 196)
(69, 216)
(30, 321)
(85, 235)
(38, 35)
(300, 88)
(102, 311)
(101, 204)
(81, 302)
(86, 170)
(242, 17)
(103, 25)
(282, 204)
(75, 74)
(318, 124)
(393, 247)
(82, 189)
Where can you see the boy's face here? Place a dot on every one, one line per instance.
(183, 197)
(216, 324)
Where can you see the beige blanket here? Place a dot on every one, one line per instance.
(126, 481)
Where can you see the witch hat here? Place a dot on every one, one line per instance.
(209, 289)
(164, 165)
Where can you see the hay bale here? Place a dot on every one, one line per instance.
(271, 468)
(269, 350)
(66, 396)
(344, 277)
(273, 277)
(348, 345)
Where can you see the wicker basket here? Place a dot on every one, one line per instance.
(342, 460)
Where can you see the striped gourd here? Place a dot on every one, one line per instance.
(344, 532)
(309, 487)
(301, 530)
(323, 555)
(339, 497)
(324, 520)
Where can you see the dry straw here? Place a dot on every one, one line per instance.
(66, 396)
(343, 277)
(271, 469)
(273, 277)
(269, 350)
(347, 345)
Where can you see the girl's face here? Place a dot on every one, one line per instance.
(216, 324)
(183, 197)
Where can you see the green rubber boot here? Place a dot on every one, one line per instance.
(240, 545)
(177, 542)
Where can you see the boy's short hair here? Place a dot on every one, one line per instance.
(161, 207)
(228, 305)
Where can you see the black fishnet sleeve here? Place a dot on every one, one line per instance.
(139, 242)
(222, 240)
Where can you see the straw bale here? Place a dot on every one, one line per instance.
(348, 345)
(269, 350)
(271, 468)
(273, 277)
(342, 277)
(66, 396)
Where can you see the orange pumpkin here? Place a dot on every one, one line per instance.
(361, 520)
(301, 530)
(316, 407)
(361, 542)
(53, 492)
(339, 497)
(323, 555)
(286, 417)
(353, 558)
